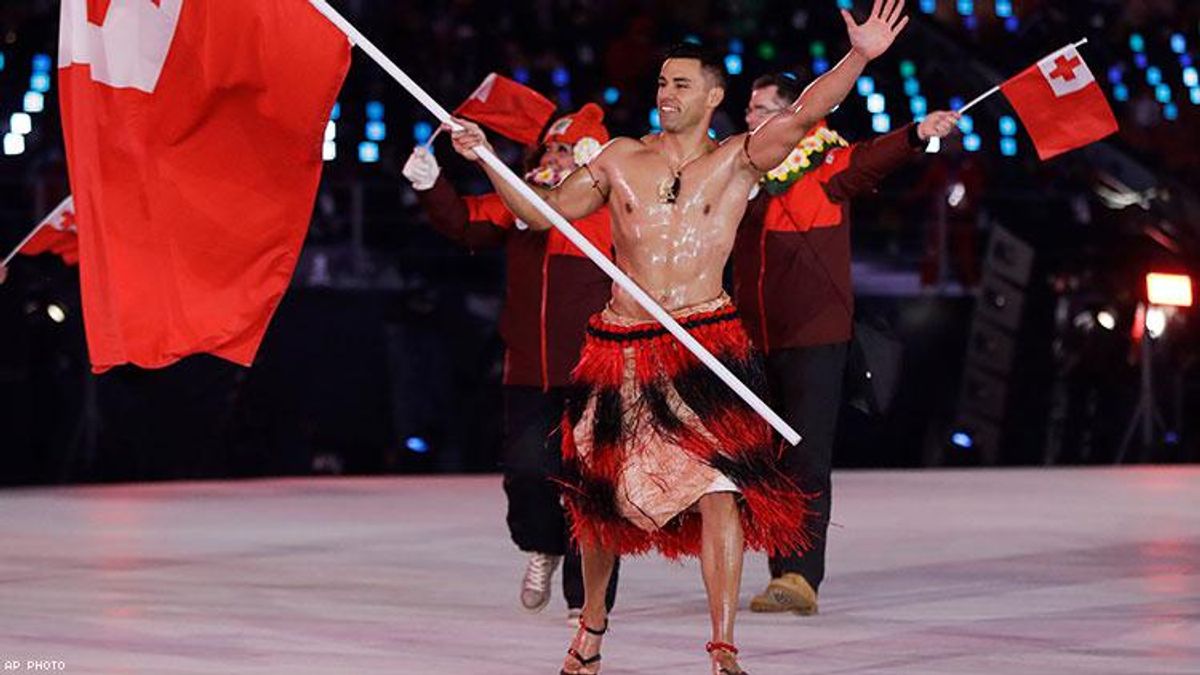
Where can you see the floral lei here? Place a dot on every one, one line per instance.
(809, 153)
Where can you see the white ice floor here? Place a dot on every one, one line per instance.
(1092, 571)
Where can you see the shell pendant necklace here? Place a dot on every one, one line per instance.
(668, 189)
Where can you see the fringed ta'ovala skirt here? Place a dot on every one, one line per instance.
(650, 430)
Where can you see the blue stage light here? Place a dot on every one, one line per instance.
(421, 132)
(1008, 125)
(918, 106)
(416, 444)
(876, 103)
(521, 74)
(966, 124)
(376, 131)
(1008, 146)
(40, 82)
(1162, 93)
(881, 123)
(733, 64)
(929, 6)
(1004, 8)
(42, 63)
(368, 152)
(972, 142)
(820, 66)
(374, 110)
(1178, 43)
(1153, 76)
(560, 77)
(912, 87)
(866, 85)
(1137, 43)
(612, 95)
(966, 7)
(962, 439)
(336, 113)
(1171, 112)
(1121, 92)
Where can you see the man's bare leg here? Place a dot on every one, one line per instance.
(597, 568)
(721, 552)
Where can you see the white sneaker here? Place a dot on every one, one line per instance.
(535, 587)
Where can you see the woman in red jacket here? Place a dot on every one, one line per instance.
(552, 290)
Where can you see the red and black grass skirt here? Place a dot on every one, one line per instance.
(649, 430)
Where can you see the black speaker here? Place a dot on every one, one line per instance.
(1009, 257)
(983, 393)
(1000, 302)
(990, 348)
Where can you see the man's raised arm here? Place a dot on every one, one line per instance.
(772, 142)
(577, 196)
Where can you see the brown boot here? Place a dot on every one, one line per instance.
(789, 593)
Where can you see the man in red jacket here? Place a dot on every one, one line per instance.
(552, 290)
(792, 284)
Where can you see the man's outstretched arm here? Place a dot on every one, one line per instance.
(772, 142)
(577, 196)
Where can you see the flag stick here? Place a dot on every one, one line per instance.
(432, 138)
(37, 228)
(561, 224)
(996, 88)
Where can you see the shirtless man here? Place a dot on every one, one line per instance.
(676, 199)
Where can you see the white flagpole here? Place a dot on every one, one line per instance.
(561, 224)
(996, 88)
(62, 206)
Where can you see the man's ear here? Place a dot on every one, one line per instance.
(715, 96)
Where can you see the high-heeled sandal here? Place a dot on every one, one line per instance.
(573, 652)
(718, 669)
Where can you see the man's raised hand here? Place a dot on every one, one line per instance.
(879, 31)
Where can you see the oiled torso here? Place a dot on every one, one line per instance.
(675, 252)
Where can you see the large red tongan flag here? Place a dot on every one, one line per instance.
(193, 131)
(1060, 103)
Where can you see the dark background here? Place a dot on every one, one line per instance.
(384, 355)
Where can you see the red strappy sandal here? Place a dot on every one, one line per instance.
(713, 647)
(585, 666)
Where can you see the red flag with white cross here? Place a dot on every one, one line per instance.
(1060, 103)
(57, 234)
(193, 134)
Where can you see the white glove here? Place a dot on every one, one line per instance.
(421, 169)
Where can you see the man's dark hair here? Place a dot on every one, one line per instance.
(710, 62)
(787, 84)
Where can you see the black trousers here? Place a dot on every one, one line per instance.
(806, 384)
(532, 457)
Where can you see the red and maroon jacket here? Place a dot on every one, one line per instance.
(552, 288)
(791, 259)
